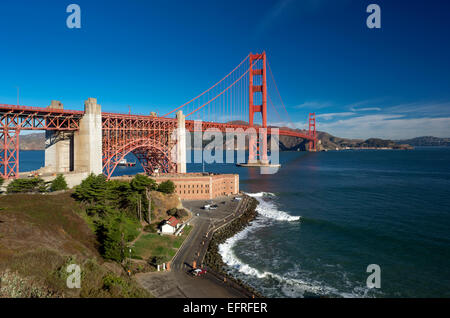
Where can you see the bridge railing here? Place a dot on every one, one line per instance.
(13, 108)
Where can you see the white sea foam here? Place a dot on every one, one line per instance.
(268, 209)
(260, 194)
(290, 287)
(290, 284)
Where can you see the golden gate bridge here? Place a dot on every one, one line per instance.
(232, 103)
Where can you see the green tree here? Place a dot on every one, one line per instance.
(118, 194)
(59, 183)
(167, 187)
(27, 185)
(141, 182)
(138, 199)
(92, 189)
(111, 237)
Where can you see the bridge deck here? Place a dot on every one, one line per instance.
(26, 113)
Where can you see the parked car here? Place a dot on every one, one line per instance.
(198, 272)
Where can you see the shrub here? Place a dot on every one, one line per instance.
(166, 187)
(118, 286)
(15, 286)
(1, 181)
(59, 183)
(110, 281)
(181, 213)
(27, 185)
(172, 212)
(113, 230)
(156, 260)
(151, 228)
(111, 242)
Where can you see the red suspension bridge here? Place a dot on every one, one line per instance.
(234, 102)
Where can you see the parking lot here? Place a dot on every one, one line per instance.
(225, 207)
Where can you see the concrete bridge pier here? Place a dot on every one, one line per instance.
(88, 139)
(181, 143)
(79, 151)
(58, 148)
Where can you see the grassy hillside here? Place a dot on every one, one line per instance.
(40, 235)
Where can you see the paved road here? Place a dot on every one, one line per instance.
(178, 283)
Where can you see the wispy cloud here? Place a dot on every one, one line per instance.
(313, 105)
(429, 109)
(333, 115)
(368, 103)
(366, 109)
(396, 121)
(389, 126)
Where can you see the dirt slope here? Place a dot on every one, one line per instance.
(40, 235)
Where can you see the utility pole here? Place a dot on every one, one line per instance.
(149, 206)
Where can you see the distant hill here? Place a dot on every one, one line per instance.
(36, 141)
(33, 141)
(330, 142)
(426, 141)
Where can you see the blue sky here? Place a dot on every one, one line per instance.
(391, 82)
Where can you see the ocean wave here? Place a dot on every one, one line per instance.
(290, 284)
(292, 287)
(260, 194)
(268, 209)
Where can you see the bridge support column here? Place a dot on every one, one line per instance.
(181, 142)
(58, 148)
(312, 132)
(263, 146)
(58, 151)
(252, 148)
(88, 139)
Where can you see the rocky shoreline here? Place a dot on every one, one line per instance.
(214, 260)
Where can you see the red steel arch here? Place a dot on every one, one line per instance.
(151, 154)
(149, 138)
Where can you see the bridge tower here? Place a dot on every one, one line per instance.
(312, 131)
(257, 149)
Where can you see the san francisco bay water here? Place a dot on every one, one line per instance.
(324, 217)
